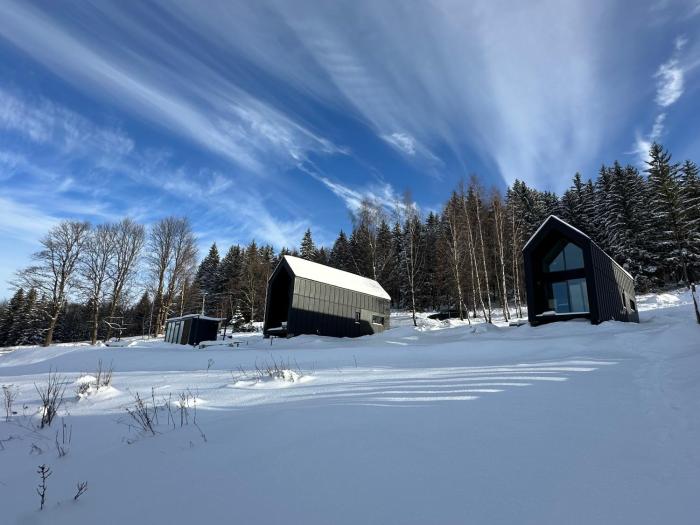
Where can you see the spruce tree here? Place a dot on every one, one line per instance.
(230, 275)
(206, 283)
(670, 236)
(29, 330)
(140, 316)
(690, 185)
(340, 256)
(308, 248)
(12, 323)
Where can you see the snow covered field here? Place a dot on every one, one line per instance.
(448, 423)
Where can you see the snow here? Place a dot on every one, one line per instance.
(325, 274)
(448, 423)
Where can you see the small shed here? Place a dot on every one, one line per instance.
(568, 276)
(305, 297)
(191, 329)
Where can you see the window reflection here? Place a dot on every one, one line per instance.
(564, 256)
(570, 296)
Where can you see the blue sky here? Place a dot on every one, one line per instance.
(259, 119)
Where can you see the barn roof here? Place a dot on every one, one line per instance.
(325, 274)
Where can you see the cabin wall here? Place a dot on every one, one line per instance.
(324, 309)
(614, 289)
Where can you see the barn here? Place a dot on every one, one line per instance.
(568, 276)
(305, 297)
(191, 329)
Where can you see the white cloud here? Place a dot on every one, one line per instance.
(402, 141)
(46, 123)
(163, 82)
(669, 83)
(22, 221)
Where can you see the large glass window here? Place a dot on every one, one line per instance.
(564, 256)
(568, 296)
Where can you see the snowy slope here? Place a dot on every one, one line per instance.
(449, 423)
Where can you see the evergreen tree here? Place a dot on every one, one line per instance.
(140, 316)
(340, 256)
(207, 282)
(628, 225)
(322, 256)
(29, 329)
(671, 235)
(308, 248)
(690, 184)
(230, 275)
(12, 323)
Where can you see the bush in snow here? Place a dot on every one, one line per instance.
(88, 384)
(142, 415)
(81, 489)
(277, 371)
(51, 395)
(44, 473)
(9, 394)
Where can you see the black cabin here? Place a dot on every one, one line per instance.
(304, 297)
(191, 329)
(568, 276)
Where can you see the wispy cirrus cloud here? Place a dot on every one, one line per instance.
(669, 89)
(42, 121)
(162, 82)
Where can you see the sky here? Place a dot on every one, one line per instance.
(260, 119)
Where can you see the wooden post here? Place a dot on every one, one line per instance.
(695, 302)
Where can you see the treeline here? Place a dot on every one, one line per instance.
(92, 283)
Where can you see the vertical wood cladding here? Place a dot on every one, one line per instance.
(610, 288)
(322, 308)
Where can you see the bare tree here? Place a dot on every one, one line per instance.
(475, 197)
(499, 228)
(54, 271)
(95, 262)
(515, 235)
(412, 245)
(171, 258)
(471, 250)
(129, 241)
(452, 233)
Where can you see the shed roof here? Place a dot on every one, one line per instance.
(325, 274)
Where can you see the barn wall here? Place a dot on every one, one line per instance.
(324, 309)
(614, 289)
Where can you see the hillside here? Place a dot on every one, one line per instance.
(446, 423)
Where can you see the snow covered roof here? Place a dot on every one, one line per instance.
(325, 274)
(198, 316)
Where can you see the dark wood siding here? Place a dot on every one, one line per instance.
(610, 289)
(614, 289)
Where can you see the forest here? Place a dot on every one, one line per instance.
(94, 282)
